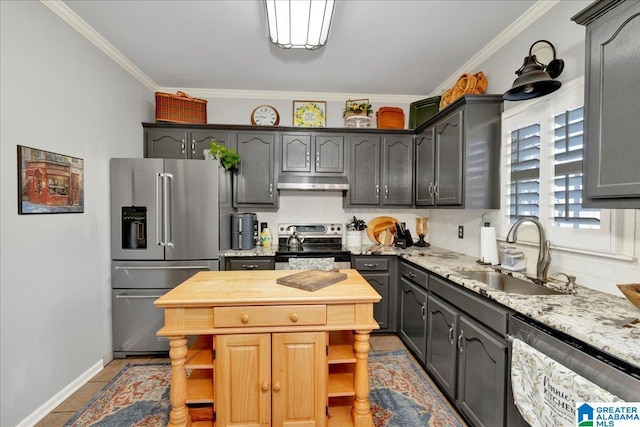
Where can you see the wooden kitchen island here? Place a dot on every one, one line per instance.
(269, 354)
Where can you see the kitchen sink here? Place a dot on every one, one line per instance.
(508, 284)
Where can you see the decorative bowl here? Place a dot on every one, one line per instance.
(632, 292)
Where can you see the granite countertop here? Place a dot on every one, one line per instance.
(605, 321)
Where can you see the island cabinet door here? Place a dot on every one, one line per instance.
(242, 380)
(299, 379)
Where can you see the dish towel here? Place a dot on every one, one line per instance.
(545, 391)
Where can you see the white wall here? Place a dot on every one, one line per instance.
(59, 93)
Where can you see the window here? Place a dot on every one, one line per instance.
(542, 157)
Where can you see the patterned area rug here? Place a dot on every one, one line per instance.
(400, 396)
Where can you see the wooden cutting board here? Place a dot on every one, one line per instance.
(312, 280)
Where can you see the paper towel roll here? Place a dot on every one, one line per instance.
(488, 246)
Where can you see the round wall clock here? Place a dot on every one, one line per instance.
(265, 115)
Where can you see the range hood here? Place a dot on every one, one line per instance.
(297, 182)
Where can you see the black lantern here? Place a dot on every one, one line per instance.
(535, 78)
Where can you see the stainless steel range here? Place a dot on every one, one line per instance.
(311, 241)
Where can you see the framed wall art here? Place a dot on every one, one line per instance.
(49, 182)
(310, 113)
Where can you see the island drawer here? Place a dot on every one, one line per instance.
(371, 263)
(279, 315)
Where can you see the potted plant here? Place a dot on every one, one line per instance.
(228, 157)
(357, 107)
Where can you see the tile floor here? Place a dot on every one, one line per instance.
(63, 413)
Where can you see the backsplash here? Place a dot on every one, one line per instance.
(592, 271)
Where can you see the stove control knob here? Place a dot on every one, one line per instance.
(338, 228)
(333, 228)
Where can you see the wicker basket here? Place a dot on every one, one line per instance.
(180, 108)
(467, 84)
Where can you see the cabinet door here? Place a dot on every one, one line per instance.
(255, 183)
(425, 168)
(296, 153)
(299, 379)
(397, 170)
(482, 367)
(200, 140)
(441, 344)
(413, 318)
(449, 150)
(243, 380)
(166, 143)
(612, 149)
(364, 185)
(380, 282)
(329, 154)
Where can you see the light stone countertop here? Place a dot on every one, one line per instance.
(604, 321)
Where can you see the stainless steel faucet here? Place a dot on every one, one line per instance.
(544, 258)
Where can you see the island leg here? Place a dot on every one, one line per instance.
(179, 415)
(361, 412)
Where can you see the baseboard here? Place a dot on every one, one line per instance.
(61, 396)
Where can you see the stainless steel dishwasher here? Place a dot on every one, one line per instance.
(613, 375)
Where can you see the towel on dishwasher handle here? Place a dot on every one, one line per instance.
(545, 391)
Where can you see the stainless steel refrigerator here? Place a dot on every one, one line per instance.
(164, 229)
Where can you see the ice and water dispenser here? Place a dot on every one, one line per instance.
(134, 227)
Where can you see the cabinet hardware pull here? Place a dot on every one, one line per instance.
(193, 147)
(435, 189)
(451, 340)
(412, 274)
(182, 146)
(317, 160)
(276, 386)
(270, 190)
(377, 190)
(431, 189)
(423, 311)
(308, 158)
(386, 191)
(264, 386)
(244, 318)
(249, 266)
(294, 317)
(371, 265)
(460, 341)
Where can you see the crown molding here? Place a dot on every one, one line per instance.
(71, 18)
(266, 94)
(63, 11)
(529, 17)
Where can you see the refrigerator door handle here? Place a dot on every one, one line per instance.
(164, 267)
(159, 181)
(168, 207)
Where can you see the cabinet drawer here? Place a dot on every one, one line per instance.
(414, 274)
(266, 263)
(282, 315)
(481, 309)
(371, 263)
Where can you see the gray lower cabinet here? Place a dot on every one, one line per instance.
(249, 263)
(458, 155)
(380, 170)
(466, 352)
(612, 176)
(255, 183)
(182, 143)
(412, 299)
(312, 153)
(380, 272)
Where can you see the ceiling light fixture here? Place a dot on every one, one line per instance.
(299, 23)
(534, 78)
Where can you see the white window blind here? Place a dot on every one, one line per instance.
(525, 172)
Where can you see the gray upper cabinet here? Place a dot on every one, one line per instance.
(611, 104)
(381, 170)
(311, 153)
(182, 143)
(255, 183)
(457, 155)
(364, 170)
